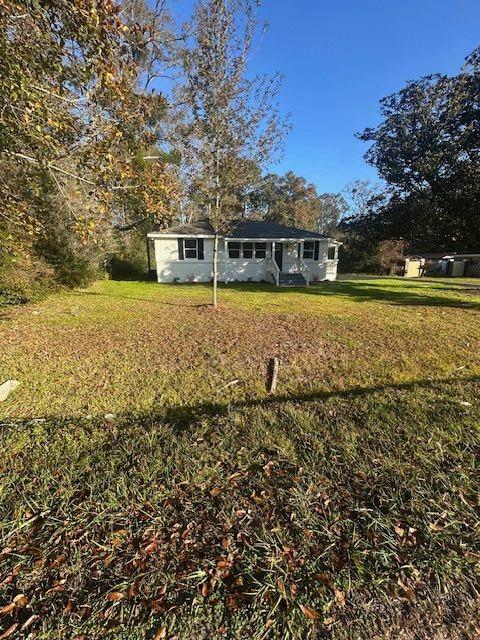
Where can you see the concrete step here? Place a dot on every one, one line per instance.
(292, 280)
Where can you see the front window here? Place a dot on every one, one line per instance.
(191, 249)
(248, 250)
(260, 249)
(308, 250)
(331, 252)
(234, 249)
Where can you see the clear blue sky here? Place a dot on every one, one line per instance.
(340, 57)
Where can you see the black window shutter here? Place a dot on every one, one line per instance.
(180, 249)
(200, 248)
(317, 250)
(298, 249)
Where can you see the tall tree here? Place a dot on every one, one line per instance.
(230, 120)
(291, 200)
(76, 125)
(427, 149)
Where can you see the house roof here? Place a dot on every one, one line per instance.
(250, 229)
(439, 255)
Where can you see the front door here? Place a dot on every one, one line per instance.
(279, 255)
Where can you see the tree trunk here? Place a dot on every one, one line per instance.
(215, 270)
(217, 222)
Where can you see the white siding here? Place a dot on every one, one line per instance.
(324, 269)
(171, 269)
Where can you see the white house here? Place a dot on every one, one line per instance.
(250, 251)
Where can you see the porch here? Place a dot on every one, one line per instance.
(283, 261)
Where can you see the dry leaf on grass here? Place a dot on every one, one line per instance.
(8, 608)
(324, 579)
(20, 600)
(312, 614)
(10, 631)
(407, 591)
(339, 597)
(29, 622)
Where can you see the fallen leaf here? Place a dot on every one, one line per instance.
(339, 597)
(324, 579)
(29, 622)
(10, 631)
(151, 547)
(312, 614)
(20, 600)
(7, 609)
(161, 633)
(115, 596)
(68, 607)
(205, 589)
(408, 592)
(5, 389)
(57, 561)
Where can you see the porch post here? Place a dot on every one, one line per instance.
(272, 258)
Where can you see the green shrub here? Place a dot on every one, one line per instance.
(72, 265)
(119, 268)
(129, 259)
(24, 282)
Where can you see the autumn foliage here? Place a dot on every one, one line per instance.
(75, 129)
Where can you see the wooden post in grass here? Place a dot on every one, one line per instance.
(273, 374)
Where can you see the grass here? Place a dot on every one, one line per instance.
(345, 506)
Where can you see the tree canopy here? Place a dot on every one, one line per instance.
(76, 129)
(427, 150)
(291, 200)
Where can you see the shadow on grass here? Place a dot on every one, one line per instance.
(371, 291)
(118, 296)
(184, 416)
(416, 294)
(181, 417)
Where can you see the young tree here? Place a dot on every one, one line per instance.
(230, 123)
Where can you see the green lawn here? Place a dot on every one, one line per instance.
(345, 506)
